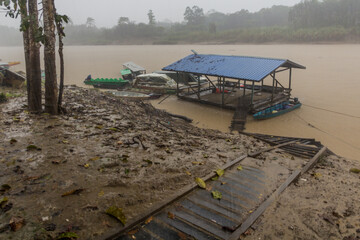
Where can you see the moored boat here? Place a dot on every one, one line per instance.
(109, 83)
(277, 109)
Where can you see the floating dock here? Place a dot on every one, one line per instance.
(244, 84)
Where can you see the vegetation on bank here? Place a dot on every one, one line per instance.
(308, 21)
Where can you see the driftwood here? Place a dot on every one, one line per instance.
(181, 117)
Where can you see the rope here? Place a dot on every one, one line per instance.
(339, 139)
(327, 110)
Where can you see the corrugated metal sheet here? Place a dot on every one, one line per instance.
(133, 67)
(237, 67)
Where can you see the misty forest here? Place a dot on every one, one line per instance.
(308, 21)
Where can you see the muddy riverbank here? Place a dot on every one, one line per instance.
(61, 173)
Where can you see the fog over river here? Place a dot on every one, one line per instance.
(331, 81)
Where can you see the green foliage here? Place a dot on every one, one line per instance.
(194, 15)
(151, 17)
(308, 21)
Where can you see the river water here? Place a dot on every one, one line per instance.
(331, 81)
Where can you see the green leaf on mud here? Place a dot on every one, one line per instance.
(114, 129)
(67, 235)
(205, 155)
(32, 147)
(127, 171)
(216, 195)
(3, 201)
(355, 170)
(13, 140)
(94, 158)
(240, 168)
(220, 172)
(99, 127)
(215, 178)
(117, 213)
(200, 183)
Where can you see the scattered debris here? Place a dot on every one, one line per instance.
(73, 192)
(216, 195)
(16, 223)
(200, 182)
(117, 213)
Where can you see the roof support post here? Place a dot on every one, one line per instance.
(177, 84)
(199, 89)
(223, 92)
(273, 85)
(210, 82)
(290, 75)
(252, 92)
(244, 88)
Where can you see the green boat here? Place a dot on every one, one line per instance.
(108, 83)
(277, 110)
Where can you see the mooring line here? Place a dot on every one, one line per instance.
(327, 110)
(339, 139)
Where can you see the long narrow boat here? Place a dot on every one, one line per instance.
(109, 83)
(277, 110)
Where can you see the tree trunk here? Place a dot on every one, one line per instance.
(33, 90)
(61, 56)
(34, 59)
(51, 89)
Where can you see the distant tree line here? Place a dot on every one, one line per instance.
(308, 21)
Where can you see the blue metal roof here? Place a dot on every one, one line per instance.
(237, 67)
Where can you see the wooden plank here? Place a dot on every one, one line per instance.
(208, 214)
(231, 204)
(313, 161)
(269, 149)
(216, 207)
(186, 228)
(157, 208)
(252, 218)
(208, 226)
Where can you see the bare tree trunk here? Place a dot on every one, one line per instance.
(51, 90)
(61, 34)
(32, 61)
(34, 57)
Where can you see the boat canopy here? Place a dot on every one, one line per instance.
(134, 67)
(125, 72)
(236, 67)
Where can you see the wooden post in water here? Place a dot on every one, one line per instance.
(177, 84)
(252, 92)
(223, 92)
(290, 74)
(273, 85)
(198, 89)
(244, 88)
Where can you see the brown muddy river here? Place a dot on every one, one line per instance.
(331, 82)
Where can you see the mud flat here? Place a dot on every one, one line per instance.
(61, 173)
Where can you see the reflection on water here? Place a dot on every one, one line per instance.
(329, 82)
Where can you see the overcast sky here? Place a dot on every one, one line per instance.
(107, 12)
